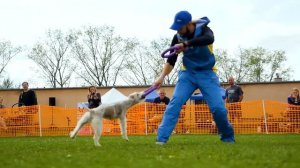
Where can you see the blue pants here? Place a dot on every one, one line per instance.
(208, 82)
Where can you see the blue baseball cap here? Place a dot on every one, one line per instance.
(181, 19)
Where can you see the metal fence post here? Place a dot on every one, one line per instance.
(145, 112)
(265, 116)
(40, 121)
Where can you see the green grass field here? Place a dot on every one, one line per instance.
(186, 151)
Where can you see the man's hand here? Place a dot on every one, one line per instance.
(181, 46)
(159, 81)
(166, 70)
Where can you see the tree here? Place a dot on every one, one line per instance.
(144, 65)
(277, 59)
(224, 64)
(264, 64)
(156, 48)
(52, 56)
(100, 53)
(137, 70)
(7, 52)
(252, 65)
(228, 66)
(7, 84)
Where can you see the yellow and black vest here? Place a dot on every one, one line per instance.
(197, 58)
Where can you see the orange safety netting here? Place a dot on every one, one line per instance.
(253, 117)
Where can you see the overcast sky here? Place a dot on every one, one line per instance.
(272, 24)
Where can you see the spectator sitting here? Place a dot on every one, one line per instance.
(93, 97)
(2, 121)
(162, 98)
(293, 113)
(1, 103)
(293, 99)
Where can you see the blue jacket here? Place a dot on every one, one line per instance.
(198, 57)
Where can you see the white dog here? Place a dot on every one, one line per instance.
(108, 111)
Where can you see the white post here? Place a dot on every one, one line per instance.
(265, 117)
(145, 112)
(40, 121)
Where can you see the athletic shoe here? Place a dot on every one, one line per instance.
(160, 143)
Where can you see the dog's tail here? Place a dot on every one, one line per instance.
(86, 117)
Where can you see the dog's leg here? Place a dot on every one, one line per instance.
(123, 126)
(97, 127)
(83, 120)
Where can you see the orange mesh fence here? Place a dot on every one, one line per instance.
(57, 121)
(282, 118)
(246, 117)
(253, 117)
(20, 121)
(198, 119)
(153, 116)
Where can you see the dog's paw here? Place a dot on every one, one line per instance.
(72, 135)
(126, 138)
(98, 145)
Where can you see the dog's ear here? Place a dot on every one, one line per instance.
(131, 96)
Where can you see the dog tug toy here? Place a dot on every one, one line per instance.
(170, 52)
(149, 90)
(166, 54)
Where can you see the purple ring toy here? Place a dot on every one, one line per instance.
(149, 90)
(169, 52)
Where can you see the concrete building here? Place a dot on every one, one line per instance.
(69, 97)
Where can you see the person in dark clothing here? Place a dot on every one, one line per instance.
(162, 101)
(162, 98)
(1, 103)
(93, 97)
(293, 113)
(234, 94)
(294, 98)
(27, 96)
(2, 120)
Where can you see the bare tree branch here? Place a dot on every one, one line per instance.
(145, 64)
(252, 65)
(51, 56)
(101, 54)
(7, 52)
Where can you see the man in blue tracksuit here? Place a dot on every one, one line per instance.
(194, 39)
